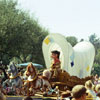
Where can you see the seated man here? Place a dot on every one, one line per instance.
(79, 92)
(56, 64)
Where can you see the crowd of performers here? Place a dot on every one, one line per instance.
(30, 82)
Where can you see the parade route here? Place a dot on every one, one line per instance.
(34, 98)
(20, 98)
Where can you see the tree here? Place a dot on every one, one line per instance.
(96, 69)
(93, 38)
(21, 36)
(72, 40)
(97, 57)
(81, 40)
(96, 42)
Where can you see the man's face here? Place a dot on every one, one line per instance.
(53, 55)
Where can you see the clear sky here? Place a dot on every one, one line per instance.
(79, 18)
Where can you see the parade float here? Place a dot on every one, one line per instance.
(75, 68)
(76, 62)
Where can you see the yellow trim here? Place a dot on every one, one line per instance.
(14, 76)
(47, 41)
(88, 68)
(33, 78)
(43, 97)
(33, 97)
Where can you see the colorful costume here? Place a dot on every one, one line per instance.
(55, 67)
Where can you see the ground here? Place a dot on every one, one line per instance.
(34, 98)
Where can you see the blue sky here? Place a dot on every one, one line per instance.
(79, 18)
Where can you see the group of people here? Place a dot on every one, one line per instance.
(79, 92)
(89, 91)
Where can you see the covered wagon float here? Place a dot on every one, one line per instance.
(76, 62)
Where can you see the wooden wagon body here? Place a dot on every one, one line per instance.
(65, 80)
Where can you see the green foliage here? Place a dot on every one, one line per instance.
(96, 69)
(72, 40)
(92, 38)
(96, 42)
(97, 63)
(81, 40)
(20, 35)
(97, 57)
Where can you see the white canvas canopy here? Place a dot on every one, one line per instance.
(77, 60)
